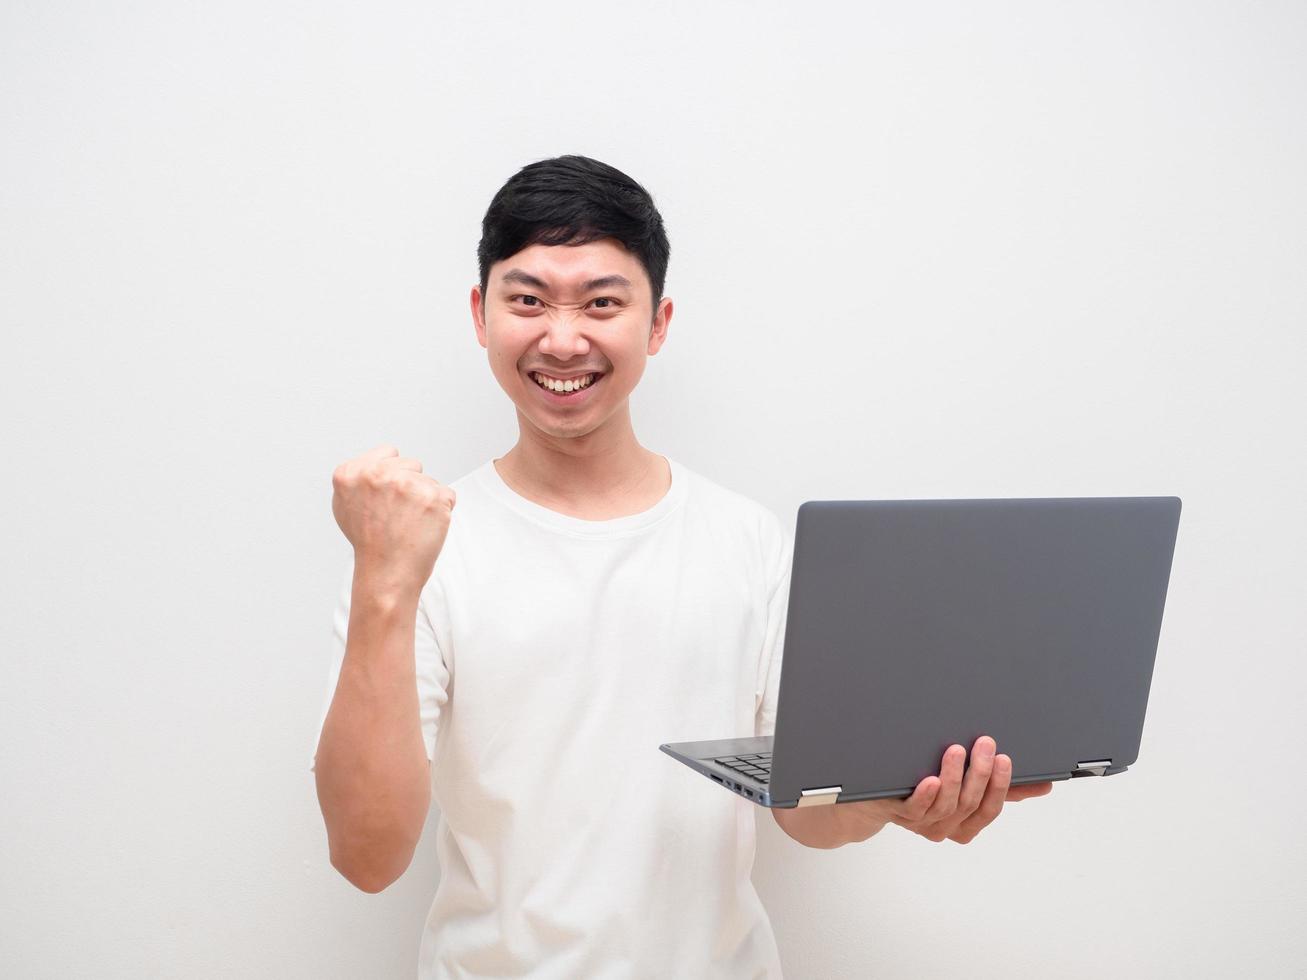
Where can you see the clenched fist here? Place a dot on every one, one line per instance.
(395, 517)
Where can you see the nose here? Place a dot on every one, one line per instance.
(563, 336)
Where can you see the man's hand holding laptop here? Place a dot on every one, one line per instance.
(951, 806)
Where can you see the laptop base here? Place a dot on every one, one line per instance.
(702, 756)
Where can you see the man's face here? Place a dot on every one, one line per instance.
(567, 312)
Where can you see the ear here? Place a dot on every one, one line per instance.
(658, 329)
(478, 315)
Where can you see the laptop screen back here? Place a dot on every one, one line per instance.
(916, 624)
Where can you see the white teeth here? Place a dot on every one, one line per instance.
(564, 386)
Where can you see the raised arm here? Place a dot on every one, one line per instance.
(373, 777)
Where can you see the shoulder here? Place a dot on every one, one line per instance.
(473, 513)
(472, 494)
(731, 509)
(470, 480)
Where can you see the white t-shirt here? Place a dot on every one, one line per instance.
(554, 656)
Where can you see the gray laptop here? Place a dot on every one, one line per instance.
(917, 624)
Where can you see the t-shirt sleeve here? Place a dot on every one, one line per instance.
(779, 550)
(432, 672)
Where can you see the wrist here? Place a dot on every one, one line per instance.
(380, 589)
(860, 821)
(824, 827)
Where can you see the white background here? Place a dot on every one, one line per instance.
(917, 250)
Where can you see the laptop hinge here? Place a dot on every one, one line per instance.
(816, 797)
(1096, 768)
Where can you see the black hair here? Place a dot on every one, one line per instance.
(572, 200)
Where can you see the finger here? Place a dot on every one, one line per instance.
(1028, 791)
(911, 810)
(405, 463)
(440, 491)
(950, 780)
(977, 777)
(991, 805)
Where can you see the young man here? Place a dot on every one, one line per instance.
(592, 600)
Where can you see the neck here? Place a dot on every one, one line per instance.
(605, 464)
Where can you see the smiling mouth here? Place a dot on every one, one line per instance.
(568, 388)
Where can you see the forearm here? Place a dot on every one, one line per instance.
(824, 827)
(373, 777)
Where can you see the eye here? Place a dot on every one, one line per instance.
(524, 297)
(606, 299)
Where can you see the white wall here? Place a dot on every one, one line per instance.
(918, 250)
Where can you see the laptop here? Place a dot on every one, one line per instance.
(916, 624)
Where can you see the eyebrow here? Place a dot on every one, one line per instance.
(535, 282)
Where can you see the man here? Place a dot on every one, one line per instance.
(592, 599)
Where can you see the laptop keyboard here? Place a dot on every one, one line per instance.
(756, 767)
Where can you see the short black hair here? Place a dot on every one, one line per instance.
(572, 200)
